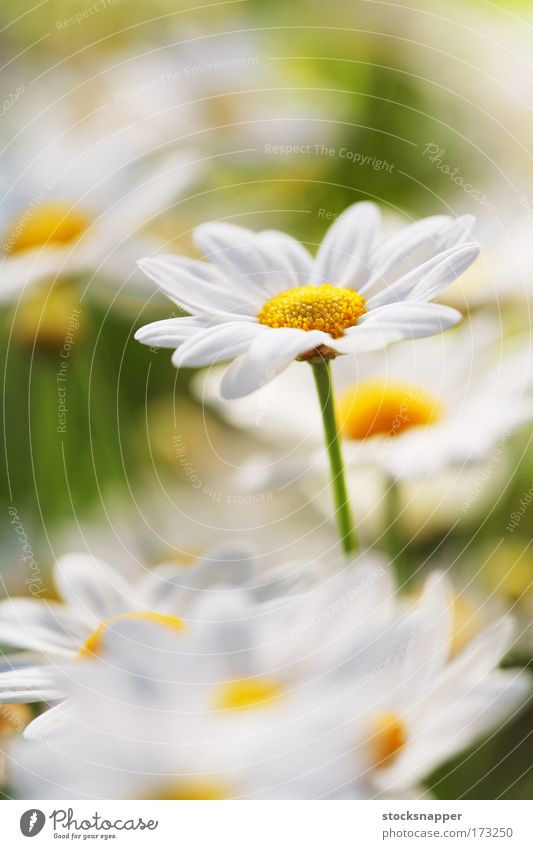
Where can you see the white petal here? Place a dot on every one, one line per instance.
(216, 344)
(179, 280)
(342, 257)
(170, 332)
(93, 587)
(414, 245)
(393, 322)
(293, 259)
(49, 721)
(24, 622)
(266, 357)
(263, 263)
(429, 279)
(33, 684)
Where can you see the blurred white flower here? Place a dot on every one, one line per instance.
(221, 89)
(340, 693)
(442, 402)
(265, 301)
(75, 199)
(94, 595)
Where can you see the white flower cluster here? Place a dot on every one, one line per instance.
(226, 681)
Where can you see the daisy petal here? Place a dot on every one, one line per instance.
(215, 344)
(294, 261)
(241, 255)
(426, 281)
(32, 684)
(92, 587)
(414, 245)
(31, 622)
(180, 280)
(170, 332)
(393, 322)
(266, 357)
(342, 257)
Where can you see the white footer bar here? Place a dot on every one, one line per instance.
(268, 825)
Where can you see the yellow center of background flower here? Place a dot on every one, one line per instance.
(53, 223)
(246, 693)
(93, 644)
(189, 790)
(375, 407)
(326, 308)
(389, 736)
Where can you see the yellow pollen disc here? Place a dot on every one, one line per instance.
(93, 644)
(374, 407)
(247, 693)
(189, 790)
(326, 308)
(389, 736)
(52, 223)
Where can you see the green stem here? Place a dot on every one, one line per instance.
(395, 541)
(324, 385)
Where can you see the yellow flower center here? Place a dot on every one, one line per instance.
(247, 693)
(53, 223)
(388, 737)
(189, 790)
(93, 644)
(374, 407)
(326, 308)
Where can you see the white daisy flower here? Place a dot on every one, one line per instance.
(434, 404)
(263, 301)
(298, 701)
(75, 200)
(94, 594)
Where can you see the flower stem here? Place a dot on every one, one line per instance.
(324, 385)
(395, 541)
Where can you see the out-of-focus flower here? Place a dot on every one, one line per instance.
(75, 201)
(437, 403)
(95, 596)
(222, 89)
(264, 301)
(294, 700)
